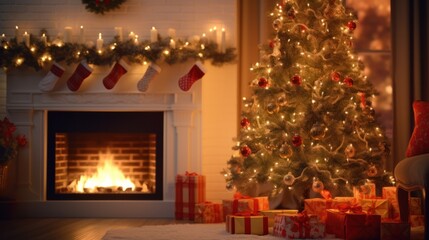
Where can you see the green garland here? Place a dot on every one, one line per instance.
(102, 6)
(13, 54)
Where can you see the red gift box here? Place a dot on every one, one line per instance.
(417, 220)
(364, 191)
(300, 225)
(389, 193)
(395, 230)
(208, 212)
(349, 225)
(247, 223)
(318, 206)
(242, 203)
(190, 189)
(376, 206)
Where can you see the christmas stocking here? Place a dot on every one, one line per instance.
(195, 73)
(118, 70)
(83, 70)
(152, 71)
(48, 82)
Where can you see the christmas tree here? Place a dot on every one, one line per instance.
(309, 129)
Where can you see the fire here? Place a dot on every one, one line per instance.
(108, 176)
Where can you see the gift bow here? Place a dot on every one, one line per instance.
(188, 174)
(238, 195)
(354, 208)
(245, 214)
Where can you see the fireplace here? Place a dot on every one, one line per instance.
(104, 155)
(125, 113)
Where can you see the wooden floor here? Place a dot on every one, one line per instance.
(69, 228)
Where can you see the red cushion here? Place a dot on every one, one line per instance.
(419, 142)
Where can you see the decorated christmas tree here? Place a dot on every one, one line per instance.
(309, 129)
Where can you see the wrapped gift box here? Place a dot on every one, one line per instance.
(389, 193)
(417, 220)
(272, 213)
(415, 206)
(395, 230)
(298, 226)
(190, 189)
(318, 206)
(353, 226)
(242, 203)
(364, 191)
(247, 224)
(376, 206)
(209, 212)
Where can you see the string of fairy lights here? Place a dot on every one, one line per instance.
(36, 51)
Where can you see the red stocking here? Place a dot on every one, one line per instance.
(118, 70)
(195, 73)
(82, 71)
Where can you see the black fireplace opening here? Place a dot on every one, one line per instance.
(105, 155)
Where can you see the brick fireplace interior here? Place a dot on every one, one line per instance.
(104, 155)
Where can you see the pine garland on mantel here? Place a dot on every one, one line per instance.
(14, 54)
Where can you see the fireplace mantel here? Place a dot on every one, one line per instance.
(27, 106)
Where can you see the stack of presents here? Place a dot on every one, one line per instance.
(363, 216)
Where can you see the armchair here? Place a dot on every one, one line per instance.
(412, 172)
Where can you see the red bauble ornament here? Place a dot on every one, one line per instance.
(351, 25)
(335, 76)
(272, 43)
(296, 140)
(245, 123)
(296, 80)
(245, 151)
(348, 81)
(263, 82)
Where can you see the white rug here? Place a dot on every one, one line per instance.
(214, 231)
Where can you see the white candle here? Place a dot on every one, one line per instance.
(44, 39)
(3, 37)
(67, 34)
(172, 33)
(81, 35)
(153, 35)
(223, 41)
(172, 44)
(99, 42)
(131, 36)
(26, 39)
(136, 40)
(17, 35)
(118, 32)
(214, 34)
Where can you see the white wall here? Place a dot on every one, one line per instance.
(189, 18)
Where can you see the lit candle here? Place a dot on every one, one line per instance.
(81, 35)
(223, 41)
(172, 44)
(204, 38)
(99, 42)
(131, 36)
(67, 34)
(214, 34)
(3, 38)
(26, 39)
(44, 39)
(136, 40)
(172, 33)
(118, 31)
(153, 35)
(17, 35)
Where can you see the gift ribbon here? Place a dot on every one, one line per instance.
(245, 214)
(354, 208)
(238, 196)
